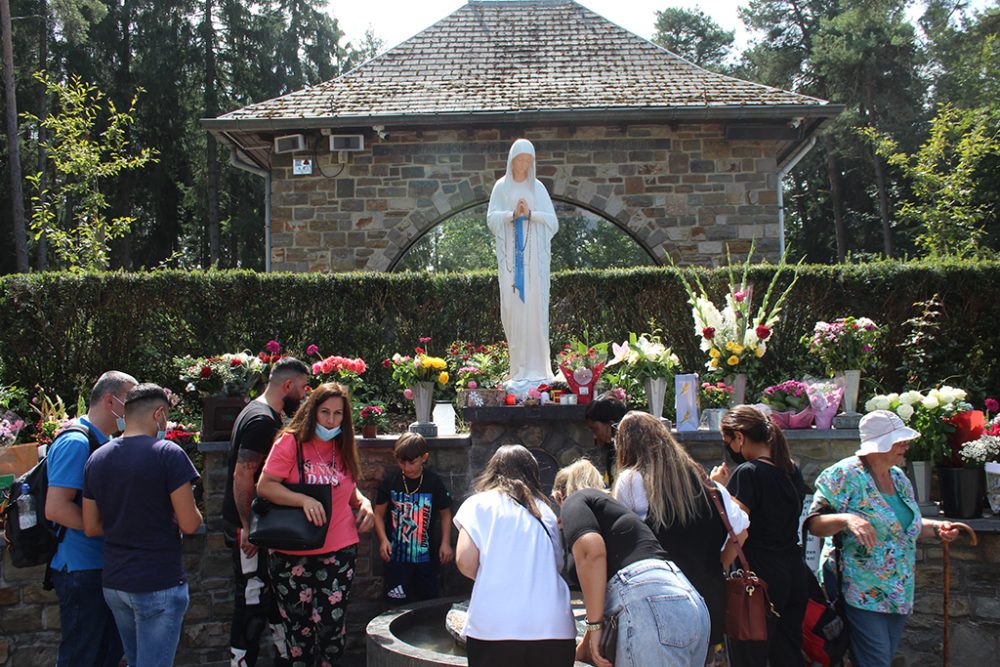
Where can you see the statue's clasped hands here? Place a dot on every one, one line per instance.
(522, 209)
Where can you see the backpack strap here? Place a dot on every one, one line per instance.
(77, 427)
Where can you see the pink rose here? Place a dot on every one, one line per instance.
(408, 394)
(312, 349)
(317, 368)
(472, 384)
(992, 405)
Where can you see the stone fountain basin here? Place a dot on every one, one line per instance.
(416, 636)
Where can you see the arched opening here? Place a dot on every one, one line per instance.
(586, 240)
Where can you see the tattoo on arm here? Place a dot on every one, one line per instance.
(248, 462)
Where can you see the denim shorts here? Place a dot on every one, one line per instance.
(662, 620)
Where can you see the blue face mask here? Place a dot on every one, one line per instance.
(326, 434)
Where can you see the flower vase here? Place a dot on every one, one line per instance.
(656, 391)
(423, 401)
(962, 491)
(851, 382)
(993, 486)
(920, 474)
(713, 418)
(739, 383)
(369, 430)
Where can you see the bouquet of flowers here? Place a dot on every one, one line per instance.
(986, 448)
(844, 344)
(715, 394)
(340, 369)
(789, 396)
(824, 399)
(735, 338)
(479, 366)
(931, 414)
(52, 415)
(10, 426)
(421, 367)
(578, 354)
(269, 356)
(225, 375)
(645, 358)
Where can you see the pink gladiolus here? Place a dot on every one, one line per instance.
(739, 296)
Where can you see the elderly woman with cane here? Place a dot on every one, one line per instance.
(867, 502)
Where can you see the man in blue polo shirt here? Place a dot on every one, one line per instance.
(89, 635)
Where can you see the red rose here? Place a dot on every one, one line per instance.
(235, 362)
(206, 372)
(708, 333)
(263, 356)
(274, 359)
(386, 363)
(419, 350)
(763, 333)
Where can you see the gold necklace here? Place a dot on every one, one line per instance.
(407, 488)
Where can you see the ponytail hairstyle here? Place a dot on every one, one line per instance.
(513, 471)
(758, 427)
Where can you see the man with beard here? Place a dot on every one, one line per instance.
(253, 434)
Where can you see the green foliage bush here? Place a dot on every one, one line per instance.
(62, 330)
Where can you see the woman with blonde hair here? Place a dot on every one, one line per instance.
(627, 581)
(660, 482)
(509, 544)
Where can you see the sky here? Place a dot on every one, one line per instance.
(397, 20)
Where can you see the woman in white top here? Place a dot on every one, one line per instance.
(509, 543)
(659, 481)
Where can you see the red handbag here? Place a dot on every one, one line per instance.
(747, 602)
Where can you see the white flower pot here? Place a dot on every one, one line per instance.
(423, 400)
(851, 382)
(920, 474)
(713, 418)
(993, 486)
(656, 390)
(739, 382)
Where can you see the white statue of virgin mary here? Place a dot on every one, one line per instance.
(523, 222)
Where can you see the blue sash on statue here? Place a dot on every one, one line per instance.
(519, 254)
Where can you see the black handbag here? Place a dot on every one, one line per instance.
(287, 528)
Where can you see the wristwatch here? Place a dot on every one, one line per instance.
(594, 626)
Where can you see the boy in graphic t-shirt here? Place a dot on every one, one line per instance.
(409, 505)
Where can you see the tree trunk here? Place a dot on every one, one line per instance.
(879, 166)
(13, 143)
(211, 111)
(833, 174)
(42, 251)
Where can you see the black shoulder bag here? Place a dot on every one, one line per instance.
(285, 527)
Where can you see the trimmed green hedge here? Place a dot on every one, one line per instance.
(63, 330)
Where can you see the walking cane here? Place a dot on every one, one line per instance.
(973, 541)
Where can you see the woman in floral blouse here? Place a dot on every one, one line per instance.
(869, 502)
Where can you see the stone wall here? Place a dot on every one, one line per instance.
(29, 616)
(681, 189)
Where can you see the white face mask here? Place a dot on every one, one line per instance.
(119, 421)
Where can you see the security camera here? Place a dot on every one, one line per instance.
(380, 131)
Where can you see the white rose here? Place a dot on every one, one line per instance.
(882, 403)
(905, 411)
(959, 394)
(892, 397)
(870, 405)
(945, 395)
(930, 402)
(910, 397)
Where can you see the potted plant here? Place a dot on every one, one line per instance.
(984, 452)
(371, 418)
(581, 364)
(846, 347)
(482, 370)
(418, 374)
(734, 337)
(223, 383)
(715, 397)
(789, 403)
(648, 362)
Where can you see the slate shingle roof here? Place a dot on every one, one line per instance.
(512, 58)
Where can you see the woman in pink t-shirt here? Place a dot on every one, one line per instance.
(312, 587)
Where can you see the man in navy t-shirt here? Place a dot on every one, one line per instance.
(89, 637)
(137, 492)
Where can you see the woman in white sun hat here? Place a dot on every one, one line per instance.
(867, 503)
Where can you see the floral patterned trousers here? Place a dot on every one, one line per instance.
(312, 593)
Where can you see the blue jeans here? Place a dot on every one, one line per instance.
(662, 620)
(875, 636)
(89, 636)
(149, 623)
